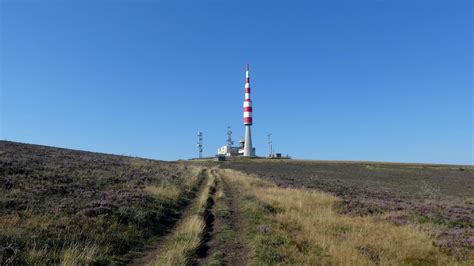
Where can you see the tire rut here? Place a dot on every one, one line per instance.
(202, 252)
(234, 252)
(154, 250)
(239, 251)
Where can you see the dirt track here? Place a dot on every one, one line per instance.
(215, 249)
(154, 248)
(216, 246)
(235, 252)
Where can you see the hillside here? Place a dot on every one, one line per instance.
(68, 207)
(438, 197)
(65, 205)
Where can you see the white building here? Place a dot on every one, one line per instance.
(228, 151)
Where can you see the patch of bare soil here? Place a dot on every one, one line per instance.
(224, 238)
(202, 253)
(236, 252)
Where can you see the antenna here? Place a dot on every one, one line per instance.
(230, 142)
(199, 144)
(269, 142)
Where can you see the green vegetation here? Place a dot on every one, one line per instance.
(438, 219)
(63, 206)
(224, 232)
(262, 239)
(296, 226)
(437, 198)
(77, 208)
(187, 238)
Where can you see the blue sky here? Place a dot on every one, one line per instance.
(332, 80)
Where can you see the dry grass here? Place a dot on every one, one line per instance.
(187, 238)
(163, 191)
(204, 196)
(220, 193)
(170, 191)
(13, 224)
(54, 202)
(317, 234)
(36, 256)
(76, 255)
(195, 171)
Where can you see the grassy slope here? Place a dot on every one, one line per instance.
(59, 205)
(301, 227)
(439, 197)
(402, 179)
(289, 226)
(64, 206)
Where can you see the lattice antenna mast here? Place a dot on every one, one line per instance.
(270, 144)
(230, 142)
(200, 143)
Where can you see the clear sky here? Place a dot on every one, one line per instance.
(332, 80)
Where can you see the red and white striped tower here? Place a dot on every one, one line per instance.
(248, 150)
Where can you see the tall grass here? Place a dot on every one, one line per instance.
(184, 243)
(186, 239)
(163, 191)
(77, 255)
(205, 195)
(311, 232)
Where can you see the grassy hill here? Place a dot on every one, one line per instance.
(438, 197)
(68, 207)
(65, 205)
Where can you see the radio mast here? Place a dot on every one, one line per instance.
(230, 142)
(269, 142)
(200, 144)
(248, 149)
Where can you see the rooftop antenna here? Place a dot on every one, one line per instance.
(270, 146)
(199, 144)
(230, 142)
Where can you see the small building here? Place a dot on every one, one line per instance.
(228, 151)
(231, 151)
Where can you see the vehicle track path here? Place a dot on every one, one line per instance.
(157, 246)
(225, 244)
(223, 237)
(237, 250)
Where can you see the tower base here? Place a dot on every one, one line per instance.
(248, 150)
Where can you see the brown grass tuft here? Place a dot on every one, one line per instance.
(76, 255)
(186, 240)
(169, 192)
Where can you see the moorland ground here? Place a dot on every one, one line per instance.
(60, 206)
(439, 197)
